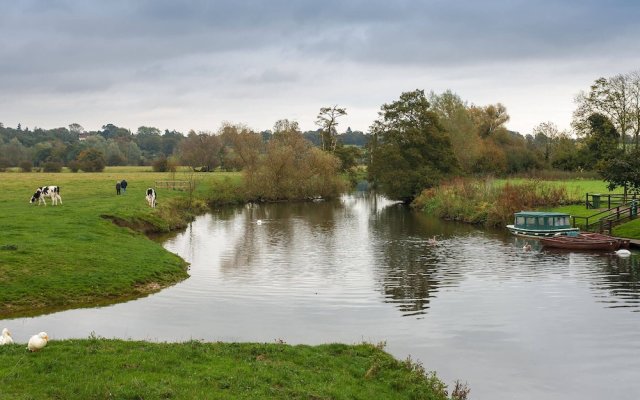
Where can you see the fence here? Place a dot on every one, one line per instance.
(176, 185)
(607, 201)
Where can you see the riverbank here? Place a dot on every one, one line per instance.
(195, 370)
(73, 255)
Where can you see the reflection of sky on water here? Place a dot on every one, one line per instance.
(473, 305)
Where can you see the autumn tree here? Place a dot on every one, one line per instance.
(241, 146)
(458, 122)
(489, 119)
(410, 150)
(545, 135)
(91, 160)
(292, 168)
(328, 121)
(200, 150)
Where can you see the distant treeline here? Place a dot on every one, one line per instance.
(118, 146)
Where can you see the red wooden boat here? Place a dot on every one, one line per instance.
(585, 241)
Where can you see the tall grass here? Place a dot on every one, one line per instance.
(487, 202)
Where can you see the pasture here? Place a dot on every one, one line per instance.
(73, 255)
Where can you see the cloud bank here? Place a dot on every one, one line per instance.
(193, 64)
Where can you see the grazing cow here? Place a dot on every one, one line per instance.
(151, 197)
(53, 192)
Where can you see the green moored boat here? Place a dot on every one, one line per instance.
(542, 224)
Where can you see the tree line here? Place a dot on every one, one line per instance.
(417, 140)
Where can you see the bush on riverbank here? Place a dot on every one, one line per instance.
(196, 370)
(485, 202)
(292, 169)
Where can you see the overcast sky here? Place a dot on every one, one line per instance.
(194, 64)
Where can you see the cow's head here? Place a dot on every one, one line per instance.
(36, 196)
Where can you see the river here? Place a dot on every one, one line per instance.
(470, 304)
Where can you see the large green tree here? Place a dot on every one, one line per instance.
(601, 140)
(410, 150)
(623, 171)
(618, 99)
(456, 118)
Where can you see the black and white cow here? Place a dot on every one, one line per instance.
(151, 197)
(52, 192)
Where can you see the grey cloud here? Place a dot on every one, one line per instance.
(167, 47)
(69, 34)
(272, 76)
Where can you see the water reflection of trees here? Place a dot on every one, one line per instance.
(296, 235)
(281, 224)
(619, 278)
(408, 270)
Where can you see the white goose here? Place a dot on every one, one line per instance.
(38, 341)
(6, 337)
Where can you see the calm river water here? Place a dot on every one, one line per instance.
(473, 306)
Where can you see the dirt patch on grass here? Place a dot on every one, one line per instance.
(150, 287)
(137, 225)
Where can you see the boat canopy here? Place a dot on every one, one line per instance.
(540, 220)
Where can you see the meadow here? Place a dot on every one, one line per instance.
(73, 255)
(195, 370)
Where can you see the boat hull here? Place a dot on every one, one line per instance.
(584, 242)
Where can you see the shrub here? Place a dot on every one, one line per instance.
(484, 202)
(26, 166)
(91, 160)
(4, 164)
(52, 166)
(160, 164)
(164, 164)
(73, 165)
(292, 169)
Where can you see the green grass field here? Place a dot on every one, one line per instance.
(114, 369)
(69, 255)
(576, 188)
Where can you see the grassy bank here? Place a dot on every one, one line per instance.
(73, 255)
(493, 202)
(195, 370)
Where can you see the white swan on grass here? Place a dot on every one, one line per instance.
(37, 342)
(6, 337)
